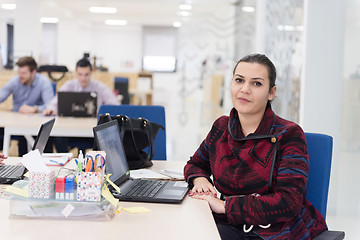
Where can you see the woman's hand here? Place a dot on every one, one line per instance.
(203, 186)
(215, 204)
(204, 190)
(2, 157)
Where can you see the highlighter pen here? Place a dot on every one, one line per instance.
(79, 166)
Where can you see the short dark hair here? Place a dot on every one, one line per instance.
(263, 60)
(84, 63)
(27, 61)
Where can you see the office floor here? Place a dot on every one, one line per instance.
(344, 194)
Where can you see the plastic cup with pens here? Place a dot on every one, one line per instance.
(90, 176)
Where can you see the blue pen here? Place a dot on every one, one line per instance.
(53, 161)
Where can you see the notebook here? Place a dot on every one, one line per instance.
(77, 104)
(12, 173)
(107, 136)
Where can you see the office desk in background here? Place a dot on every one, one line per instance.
(15, 123)
(190, 220)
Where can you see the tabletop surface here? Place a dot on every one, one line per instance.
(15, 119)
(192, 219)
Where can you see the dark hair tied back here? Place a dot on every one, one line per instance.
(263, 60)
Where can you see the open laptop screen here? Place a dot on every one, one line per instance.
(43, 135)
(107, 136)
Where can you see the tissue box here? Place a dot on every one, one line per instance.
(41, 184)
(89, 186)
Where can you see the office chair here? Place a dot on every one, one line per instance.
(152, 113)
(320, 154)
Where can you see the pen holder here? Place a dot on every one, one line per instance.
(89, 186)
(41, 184)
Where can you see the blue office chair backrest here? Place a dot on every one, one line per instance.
(320, 154)
(152, 113)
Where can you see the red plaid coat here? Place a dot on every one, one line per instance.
(272, 162)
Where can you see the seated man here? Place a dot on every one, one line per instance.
(82, 83)
(31, 92)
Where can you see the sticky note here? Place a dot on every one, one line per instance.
(108, 196)
(119, 209)
(137, 210)
(17, 191)
(111, 183)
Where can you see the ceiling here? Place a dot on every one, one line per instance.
(157, 12)
(144, 12)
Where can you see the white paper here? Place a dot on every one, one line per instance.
(34, 163)
(67, 210)
(146, 174)
(173, 174)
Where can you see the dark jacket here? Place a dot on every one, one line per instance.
(273, 162)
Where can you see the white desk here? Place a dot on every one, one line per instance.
(29, 124)
(190, 220)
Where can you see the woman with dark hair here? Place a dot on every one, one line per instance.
(257, 161)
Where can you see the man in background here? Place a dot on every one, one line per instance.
(31, 92)
(82, 83)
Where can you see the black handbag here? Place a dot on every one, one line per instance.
(136, 134)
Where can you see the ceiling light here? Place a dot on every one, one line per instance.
(177, 24)
(102, 9)
(248, 9)
(49, 20)
(185, 7)
(184, 13)
(116, 22)
(8, 6)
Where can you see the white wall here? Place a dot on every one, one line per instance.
(117, 48)
(48, 50)
(27, 29)
(321, 90)
(3, 41)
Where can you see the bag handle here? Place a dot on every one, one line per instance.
(149, 132)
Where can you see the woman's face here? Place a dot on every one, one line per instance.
(250, 88)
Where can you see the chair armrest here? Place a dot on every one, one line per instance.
(331, 235)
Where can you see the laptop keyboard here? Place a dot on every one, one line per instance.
(7, 170)
(146, 188)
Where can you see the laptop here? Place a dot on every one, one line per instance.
(107, 136)
(77, 104)
(11, 173)
(43, 136)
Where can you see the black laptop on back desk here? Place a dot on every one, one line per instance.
(77, 104)
(12, 173)
(107, 136)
